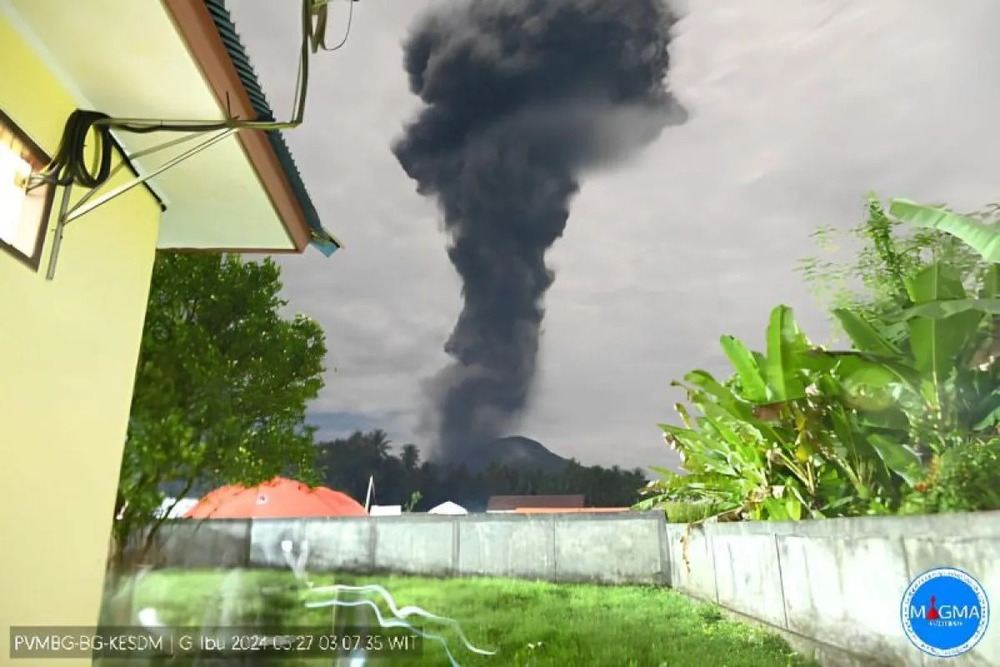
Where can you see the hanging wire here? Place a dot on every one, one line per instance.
(69, 164)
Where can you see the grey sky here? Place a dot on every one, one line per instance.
(798, 107)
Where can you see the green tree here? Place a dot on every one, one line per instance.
(347, 463)
(221, 388)
(403, 479)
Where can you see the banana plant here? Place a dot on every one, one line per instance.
(978, 391)
(805, 432)
(734, 460)
(774, 442)
(936, 382)
(780, 376)
(980, 235)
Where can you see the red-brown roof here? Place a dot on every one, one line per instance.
(570, 510)
(510, 503)
(210, 36)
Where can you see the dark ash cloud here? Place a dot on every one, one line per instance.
(521, 98)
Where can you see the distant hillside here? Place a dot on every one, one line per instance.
(346, 464)
(513, 452)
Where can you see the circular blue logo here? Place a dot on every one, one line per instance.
(945, 612)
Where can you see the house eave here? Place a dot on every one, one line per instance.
(196, 26)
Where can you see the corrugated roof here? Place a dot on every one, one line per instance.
(322, 240)
(509, 503)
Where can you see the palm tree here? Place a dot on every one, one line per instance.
(410, 457)
(378, 443)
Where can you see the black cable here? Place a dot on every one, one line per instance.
(70, 162)
(307, 35)
(319, 35)
(69, 166)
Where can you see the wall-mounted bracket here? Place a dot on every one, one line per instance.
(88, 203)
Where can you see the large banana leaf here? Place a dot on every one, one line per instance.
(898, 458)
(937, 282)
(785, 343)
(864, 335)
(747, 368)
(704, 382)
(936, 310)
(703, 453)
(777, 376)
(733, 431)
(893, 419)
(937, 345)
(983, 237)
(724, 414)
(874, 370)
(814, 360)
(991, 283)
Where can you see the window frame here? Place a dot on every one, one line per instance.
(41, 160)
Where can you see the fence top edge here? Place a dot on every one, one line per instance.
(965, 525)
(436, 518)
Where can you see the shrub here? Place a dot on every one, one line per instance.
(963, 479)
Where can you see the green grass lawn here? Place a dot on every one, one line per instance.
(526, 623)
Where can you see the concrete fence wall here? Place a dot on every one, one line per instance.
(837, 585)
(605, 548)
(832, 587)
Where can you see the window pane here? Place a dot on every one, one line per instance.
(23, 211)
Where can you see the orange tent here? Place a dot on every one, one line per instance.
(279, 498)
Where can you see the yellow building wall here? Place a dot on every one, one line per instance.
(68, 352)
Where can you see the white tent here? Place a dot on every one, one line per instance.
(448, 507)
(385, 510)
(176, 511)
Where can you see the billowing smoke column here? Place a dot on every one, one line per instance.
(521, 96)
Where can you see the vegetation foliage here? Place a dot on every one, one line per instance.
(904, 420)
(222, 385)
(403, 479)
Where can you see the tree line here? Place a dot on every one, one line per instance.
(402, 478)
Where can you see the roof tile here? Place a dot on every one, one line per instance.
(248, 77)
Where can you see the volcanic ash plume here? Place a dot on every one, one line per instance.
(521, 97)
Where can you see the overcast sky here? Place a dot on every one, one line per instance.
(797, 108)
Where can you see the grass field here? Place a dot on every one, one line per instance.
(525, 623)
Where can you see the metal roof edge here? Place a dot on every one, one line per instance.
(323, 240)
